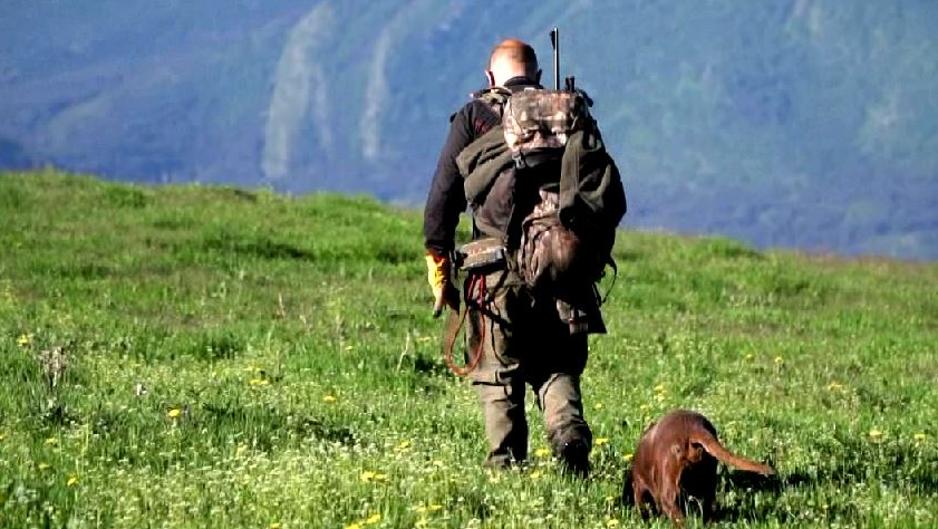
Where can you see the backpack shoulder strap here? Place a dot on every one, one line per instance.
(495, 97)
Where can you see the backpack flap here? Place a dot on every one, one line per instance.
(539, 121)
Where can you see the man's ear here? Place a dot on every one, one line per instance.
(491, 78)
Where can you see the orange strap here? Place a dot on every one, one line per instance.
(459, 321)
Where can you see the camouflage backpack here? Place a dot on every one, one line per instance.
(566, 239)
(551, 254)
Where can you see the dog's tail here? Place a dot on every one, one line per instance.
(712, 445)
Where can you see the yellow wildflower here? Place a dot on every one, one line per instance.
(599, 441)
(24, 340)
(433, 507)
(52, 441)
(542, 452)
(403, 445)
(750, 356)
(43, 465)
(628, 457)
(259, 382)
(274, 525)
(920, 436)
(370, 475)
(354, 525)
(329, 398)
(72, 481)
(876, 434)
(835, 386)
(373, 519)
(2, 436)
(660, 388)
(174, 413)
(779, 360)
(536, 474)
(612, 522)
(598, 406)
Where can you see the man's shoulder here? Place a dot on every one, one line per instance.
(476, 117)
(483, 101)
(463, 111)
(474, 107)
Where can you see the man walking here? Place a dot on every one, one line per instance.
(520, 335)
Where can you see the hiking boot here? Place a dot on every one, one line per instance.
(574, 458)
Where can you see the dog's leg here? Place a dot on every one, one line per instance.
(670, 491)
(709, 502)
(669, 504)
(640, 493)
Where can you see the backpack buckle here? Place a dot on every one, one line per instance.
(520, 162)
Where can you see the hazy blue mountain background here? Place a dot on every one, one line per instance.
(806, 123)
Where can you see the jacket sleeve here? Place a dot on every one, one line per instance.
(447, 199)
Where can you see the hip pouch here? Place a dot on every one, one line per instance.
(481, 256)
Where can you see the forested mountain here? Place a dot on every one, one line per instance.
(807, 123)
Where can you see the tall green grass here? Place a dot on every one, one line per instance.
(244, 359)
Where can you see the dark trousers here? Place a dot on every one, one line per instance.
(523, 342)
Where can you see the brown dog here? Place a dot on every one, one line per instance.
(676, 459)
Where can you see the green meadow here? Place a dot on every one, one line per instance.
(189, 356)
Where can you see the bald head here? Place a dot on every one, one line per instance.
(512, 58)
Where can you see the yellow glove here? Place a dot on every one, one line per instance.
(438, 275)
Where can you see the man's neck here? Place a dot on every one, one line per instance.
(518, 80)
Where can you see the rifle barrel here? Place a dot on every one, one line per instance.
(555, 44)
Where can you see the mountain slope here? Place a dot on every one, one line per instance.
(802, 123)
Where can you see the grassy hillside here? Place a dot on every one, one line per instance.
(246, 359)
